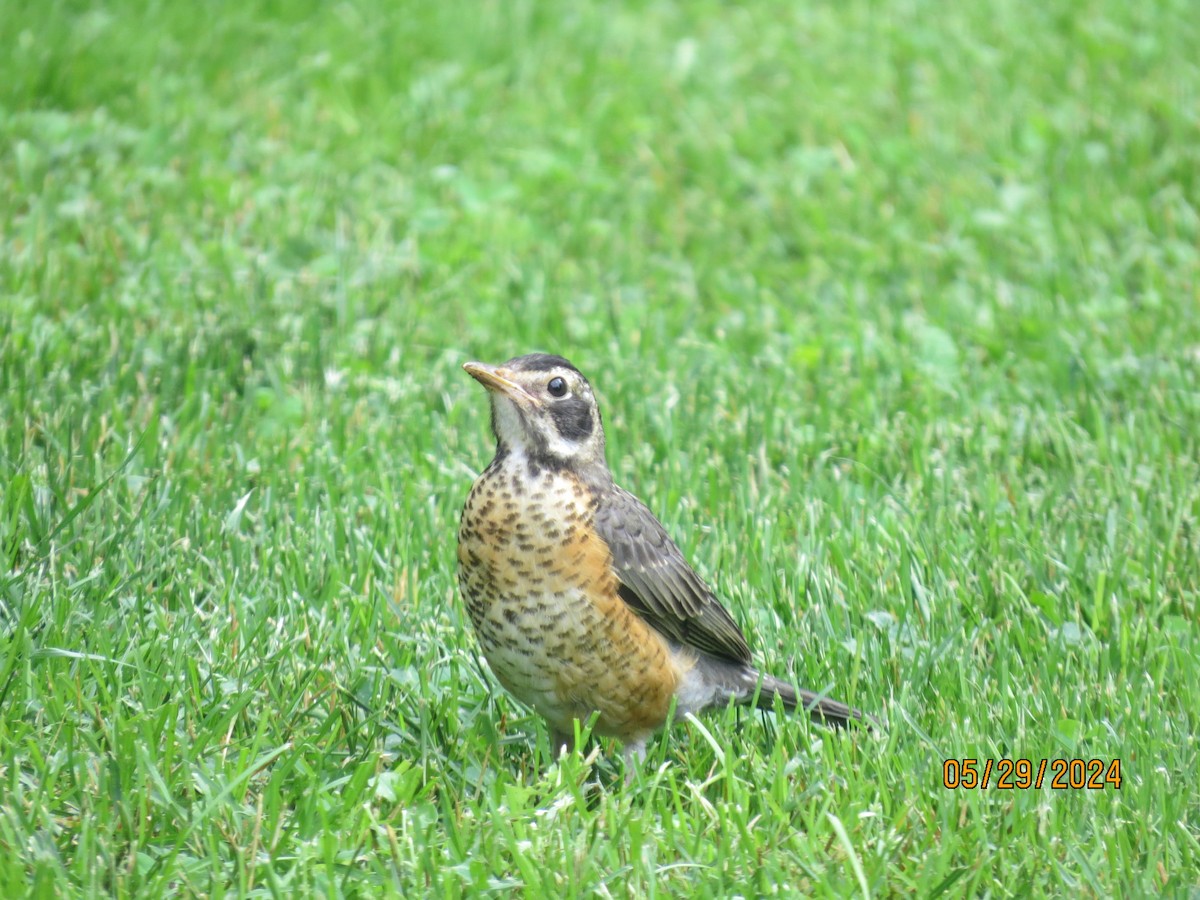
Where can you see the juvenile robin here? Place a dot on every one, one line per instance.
(581, 601)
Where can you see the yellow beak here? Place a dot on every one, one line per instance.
(496, 379)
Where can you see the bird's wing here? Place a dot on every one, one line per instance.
(659, 585)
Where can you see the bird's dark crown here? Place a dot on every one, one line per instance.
(540, 362)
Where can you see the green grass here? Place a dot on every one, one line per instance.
(894, 314)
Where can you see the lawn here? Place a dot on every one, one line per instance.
(894, 314)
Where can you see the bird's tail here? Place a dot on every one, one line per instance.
(822, 709)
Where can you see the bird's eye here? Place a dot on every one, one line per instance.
(557, 387)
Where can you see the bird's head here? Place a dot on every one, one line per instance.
(543, 408)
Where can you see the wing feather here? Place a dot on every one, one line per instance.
(659, 585)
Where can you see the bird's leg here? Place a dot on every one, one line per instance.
(560, 742)
(635, 755)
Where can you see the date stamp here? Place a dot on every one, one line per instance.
(1022, 774)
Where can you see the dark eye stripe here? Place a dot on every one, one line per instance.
(573, 418)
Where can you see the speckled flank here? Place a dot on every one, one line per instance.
(540, 590)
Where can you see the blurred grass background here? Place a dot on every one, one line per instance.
(893, 313)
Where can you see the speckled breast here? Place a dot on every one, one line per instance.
(538, 585)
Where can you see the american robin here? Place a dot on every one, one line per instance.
(581, 601)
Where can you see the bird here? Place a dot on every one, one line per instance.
(581, 602)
